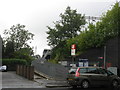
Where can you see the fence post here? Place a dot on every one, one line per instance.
(27, 70)
(24, 70)
(20, 70)
(31, 73)
(17, 69)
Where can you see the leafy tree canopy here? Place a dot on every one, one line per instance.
(68, 27)
(16, 43)
(97, 35)
(18, 35)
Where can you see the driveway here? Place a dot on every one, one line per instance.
(12, 80)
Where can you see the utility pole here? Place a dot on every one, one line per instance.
(104, 56)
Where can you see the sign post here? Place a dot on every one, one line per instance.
(73, 50)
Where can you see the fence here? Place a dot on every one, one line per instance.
(25, 71)
(50, 70)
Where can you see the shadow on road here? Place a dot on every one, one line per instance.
(60, 89)
(97, 88)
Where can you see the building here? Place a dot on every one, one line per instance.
(46, 54)
(108, 55)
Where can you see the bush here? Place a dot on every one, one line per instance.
(53, 61)
(12, 63)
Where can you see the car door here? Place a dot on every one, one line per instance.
(97, 76)
(93, 76)
(103, 77)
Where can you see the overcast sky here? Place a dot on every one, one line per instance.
(37, 14)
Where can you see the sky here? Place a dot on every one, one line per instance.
(36, 15)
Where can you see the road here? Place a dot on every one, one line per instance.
(59, 89)
(11, 81)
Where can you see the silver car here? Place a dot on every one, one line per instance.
(3, 68)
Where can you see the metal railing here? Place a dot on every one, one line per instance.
(50, 70)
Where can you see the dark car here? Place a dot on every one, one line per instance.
(92, 76)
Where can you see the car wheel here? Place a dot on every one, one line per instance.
(115, 83)
(85, 84)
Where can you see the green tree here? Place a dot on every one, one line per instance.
(110, 22)
(24, 53)
(96, 35)
(9, 50)
(68, 27)
(2, 47)
(16, 43)
(19, 36)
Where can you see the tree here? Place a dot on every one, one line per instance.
(19, 36)
(24, 53)
(1, 47)
(16, 43)
(97, 35)
(68, 27)
(9, 50)
(110, 22)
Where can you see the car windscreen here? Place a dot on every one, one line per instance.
(109, 72)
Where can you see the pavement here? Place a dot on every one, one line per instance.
(11, 80)
(50, 83)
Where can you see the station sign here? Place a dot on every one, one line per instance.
(73, 49)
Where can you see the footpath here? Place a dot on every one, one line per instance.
(50, 83)
(12, 80)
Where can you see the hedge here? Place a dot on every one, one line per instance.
(11, 63)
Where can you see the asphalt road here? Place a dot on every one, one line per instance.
(59, 89)
(11, 81)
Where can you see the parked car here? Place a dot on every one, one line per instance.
(3, 68)
(92, 76)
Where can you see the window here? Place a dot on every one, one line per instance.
(87, 70)
(91, 69)
(83, 70)
(109, 73)
(102, 71)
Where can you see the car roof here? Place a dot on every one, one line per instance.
(89, 67)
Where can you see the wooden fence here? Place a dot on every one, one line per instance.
(25, 71)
